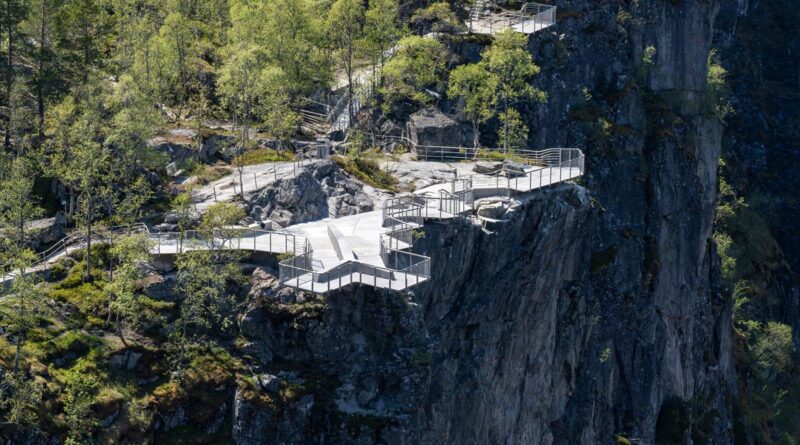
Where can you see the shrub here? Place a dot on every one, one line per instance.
(367, 171)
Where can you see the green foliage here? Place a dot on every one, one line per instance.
(20, 398)
(380, 30)
(436, 17)
(129, 252)
(263, 155)
(368, 171)
(495, 84)
(81, 390)
(717, 91)
(513, 133)
(418, 64)
(477, 87)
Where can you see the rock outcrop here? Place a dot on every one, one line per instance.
(319, 191)
(432, 127)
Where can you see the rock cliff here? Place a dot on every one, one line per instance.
(593, 313)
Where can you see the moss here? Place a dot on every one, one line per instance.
(421, 359)
(72, 343)
(621, 440)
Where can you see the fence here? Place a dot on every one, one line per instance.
(530, 18)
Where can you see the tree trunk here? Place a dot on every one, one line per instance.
(349, 68)
(9, 75)
(17, 353)
(88, 275)
(40, 82)
(475, 136)
(119, 331)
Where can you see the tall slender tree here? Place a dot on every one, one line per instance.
(345, 28)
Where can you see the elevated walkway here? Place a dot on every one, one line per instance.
(486, 17)
(372, 248)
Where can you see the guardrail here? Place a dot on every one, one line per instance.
(530, 18)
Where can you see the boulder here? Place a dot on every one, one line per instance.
(165, 227)
(172, 169)
(512, 169)
(46, 230)
(171, 218)
(214, 145)
(159, 287)
(493, 209)
(281, 217)
(432, 127)
(487, 168)
(269, 383)
(319, 191)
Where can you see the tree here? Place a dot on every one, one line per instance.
(509, 61)
(296, 40)
(128, 252)
(39, 26)
(81, 390)
(13, 13)
(477, 87)
(183, 205)
(275, 106)
(80, 157)
(216, 225)
(237, 80)
(237, 85)
(22, 299)
(380, 31)
(18, 204)
(20, 398)
(178, 59)
(345, 28)
(417, 65)
(83, 28)
(207, 306)
(773, 349)
(436, 17)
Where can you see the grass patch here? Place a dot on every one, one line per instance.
(209, 173)
(367, 171)
(262, 155)
(70, 344)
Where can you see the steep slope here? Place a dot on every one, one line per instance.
(631, 332)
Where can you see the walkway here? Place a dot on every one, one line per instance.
(372, 248)
(487, 18)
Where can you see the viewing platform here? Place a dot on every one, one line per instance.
(372, 248)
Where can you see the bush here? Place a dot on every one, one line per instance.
(367, 171)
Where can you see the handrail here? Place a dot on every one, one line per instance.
(541, 15)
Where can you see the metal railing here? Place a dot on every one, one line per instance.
(530, 18)
(99, 234)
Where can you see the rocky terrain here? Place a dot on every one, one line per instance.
(610, 310)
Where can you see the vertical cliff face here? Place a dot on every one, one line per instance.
(573, 324)
(592, 312)
(759, 46)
